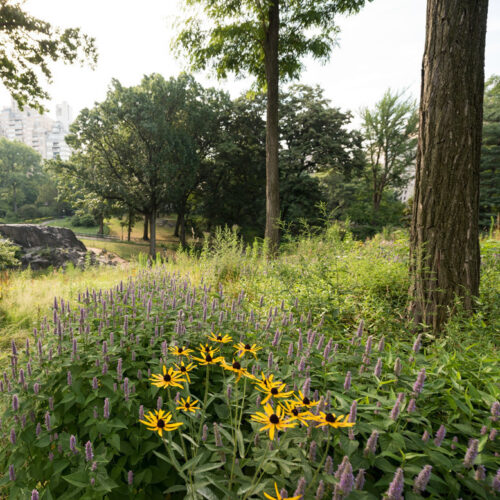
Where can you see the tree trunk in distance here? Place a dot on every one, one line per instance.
(101, 225)
(182, 229)
(152, 234)
(145, 234)
(129, 226)
(177, 225)
(444, 244)
(272, 131)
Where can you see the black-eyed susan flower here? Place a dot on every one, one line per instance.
(273, 420)
(236, 367)
(305, 401)
(332, 420)
(159, 422)
(244, 348)
(293, 411)
(221, 339)
(279, 497)
(208, 349)
(180, 351)
(272, 389)
(170, 378)
(188, 405)
(185, 369)
(208, 359)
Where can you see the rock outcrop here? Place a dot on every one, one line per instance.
(43, 246)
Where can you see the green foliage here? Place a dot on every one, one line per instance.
(390, 133)
(489, 200)
(8, 257)
(82, 219)
(29, 45)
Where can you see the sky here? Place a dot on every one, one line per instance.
(379, 48)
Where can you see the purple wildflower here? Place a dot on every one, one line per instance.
(312, 451)
(412, 406)
(397, 367)
(359, 332)
(13, 436)
(346, 483)
(480, 474)
(69, 378)
(95, 384)
(440, 434)
(495, 484)
(419, 383)
(493, 435)
(359, 481)
(12, 473)
(395, 491)
(290, 350)
(495, 411)
(329, 465)
(270, 360)
(217, 436)
(417, 344)
(353, 412)
(425, 436)
(378, 368)
(119, 369)
(204, 435)
(421, 481)
(36, 387)
(395, 410)
(72, 444)
(130, 478)
(454, 442)
(47, 421)
(38, 429)
(471, 453)
(89, 452)
(15, 403)
(105, 413)
(381, 346)
(159, 403)
(301, 487)
(341, 466)
(35, 495)
(320, 492)
(126, 388)
(306, 388)
(368, 346)
(347, 381)
(371, 444)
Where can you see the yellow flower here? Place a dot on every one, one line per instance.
(188, 405)
(159, 422)
(292, 410)
(272, 389)
(305, 401)
(219, 338)
(208, 359)
(236, 367)
(279, 497)
(180, 351)
(168, 379)
(273, 421)
(207, 349)
(243, 348)
(185, 369)
(332, 420)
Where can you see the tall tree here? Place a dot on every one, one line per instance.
(28, 45)
(390, 133)
(444, 253)
(489, 199)
(266, 39)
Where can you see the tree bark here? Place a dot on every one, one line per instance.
(177, 225)
(152, 234)
(129, 225)
(272, 131)
(146, 222)
(444, 246)
(101, 225)
(182, 229)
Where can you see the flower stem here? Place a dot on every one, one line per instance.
(311, 484)
(252, 486)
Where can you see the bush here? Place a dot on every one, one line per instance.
(83, 220)
(29, 212)
(79, 387)
(8, 255)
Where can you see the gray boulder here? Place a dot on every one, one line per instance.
(44, 246)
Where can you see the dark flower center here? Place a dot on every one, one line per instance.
(274, 419)
(187, 405)
(248, 347)
(183, 368)
(236, 365)
(306, 401)
(219, 337)
(180, 349)
(295, 411)
(274, 391)
(329, 417)
(167, 378)
(160, 424)
(208, 358)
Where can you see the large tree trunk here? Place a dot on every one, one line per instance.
(272, 137)
(152, 234)
(145, 233)
(444, 253)
(178, 224)
(100, 231)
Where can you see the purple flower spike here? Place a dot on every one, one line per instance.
(106, 408)
(395, 410)
(290, 350)
(312, 451)
(353, 412)
(381, 346)
(359, 482)
(13, 436)
(346, 483)
(397, 367)
(329, 465)
(301, 487)
(204, 435)
(422, 479)
(419, 383)
(480, 474)
(72, 444)
(440, 434)
(495, 484)
(425, 437)
(454, 442)
(371, 444)
(47, 421)
(417, 344)
(95, 384)
(38, 429)
(471, 453)
(130, 478)
(347, 381)
(15, 403)
(493, 435)
(89, 452)
(320, 492)
(378, 368)
(306, 388)
(395, 491)
(412, 406)
(12, 473)
(495, 411)
(69, 378)
(35, 495)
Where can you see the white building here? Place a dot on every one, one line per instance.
(40, 132)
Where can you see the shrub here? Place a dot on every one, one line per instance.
(83, 220)
(8, 257)
(75, 394)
